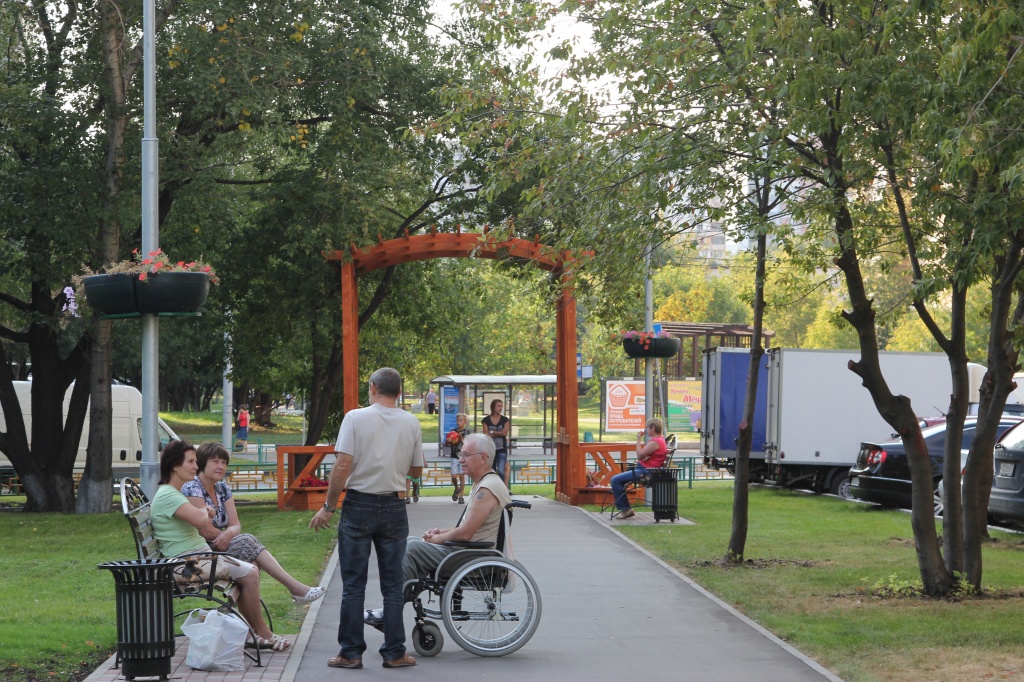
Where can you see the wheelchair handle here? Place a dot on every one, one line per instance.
(521, 504)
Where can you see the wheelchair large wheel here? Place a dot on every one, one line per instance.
(427, 639)
(491, 606)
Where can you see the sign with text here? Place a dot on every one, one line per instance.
(624, 405)
(684, 406)
(449, 408)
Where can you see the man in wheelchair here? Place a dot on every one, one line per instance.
(480, 522)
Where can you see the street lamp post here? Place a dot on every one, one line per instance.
(150, 467)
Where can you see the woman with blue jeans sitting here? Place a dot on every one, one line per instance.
(648, 456)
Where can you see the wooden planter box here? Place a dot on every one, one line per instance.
(307, 499)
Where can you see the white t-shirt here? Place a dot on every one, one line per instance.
(384, 443)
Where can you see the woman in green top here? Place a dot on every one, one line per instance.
(176, 524)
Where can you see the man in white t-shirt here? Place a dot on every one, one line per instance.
(378, 446)
(431, 402)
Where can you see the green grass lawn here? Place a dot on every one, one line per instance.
(814, 566)
(58, 615)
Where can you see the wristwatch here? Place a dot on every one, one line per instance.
(327, 508)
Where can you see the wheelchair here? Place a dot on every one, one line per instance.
(489, 603)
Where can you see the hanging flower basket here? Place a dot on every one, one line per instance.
(148, 284)
(111, 294)
(172, 292)
(658, 347)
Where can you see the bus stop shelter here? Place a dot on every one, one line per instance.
(529, 403)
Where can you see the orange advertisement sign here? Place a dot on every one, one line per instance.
(624, 405)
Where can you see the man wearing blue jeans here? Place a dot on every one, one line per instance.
(378, 446)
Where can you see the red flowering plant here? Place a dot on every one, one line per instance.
(156, 262)
(143, 267)
(643, 338)
(312, 481)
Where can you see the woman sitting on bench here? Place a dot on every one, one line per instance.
(648, 456)
(176, 525)
(225, 533)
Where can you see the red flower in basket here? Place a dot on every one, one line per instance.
(313, 482)
(453, 437)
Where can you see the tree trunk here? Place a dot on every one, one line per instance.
(998, 382)
(741, 484)
(896, 410)
(96, 488)
(95, 491)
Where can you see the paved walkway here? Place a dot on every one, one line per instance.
(610, 610)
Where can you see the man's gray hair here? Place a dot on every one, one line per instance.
(484, 444)
(388, 382)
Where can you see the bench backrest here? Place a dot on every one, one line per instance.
(137, 509)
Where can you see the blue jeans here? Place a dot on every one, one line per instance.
(380, 521)
(500, 459)
(619, 482)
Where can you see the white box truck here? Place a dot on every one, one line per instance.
(815, 412)
(126, 419)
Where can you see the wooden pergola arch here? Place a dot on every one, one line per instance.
(409, 248)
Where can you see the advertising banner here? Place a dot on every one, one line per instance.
(624, 405)
(684, 406)
(449, 408)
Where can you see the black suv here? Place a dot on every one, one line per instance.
(1006, 502)
(882, 472)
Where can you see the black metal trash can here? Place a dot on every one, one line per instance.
(145, 615)
(664, 489)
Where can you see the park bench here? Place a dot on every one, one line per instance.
(137, 509)
(534, 474)
(248, 478)
(436, 476)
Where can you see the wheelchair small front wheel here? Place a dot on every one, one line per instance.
(491, 606)
(427, 639)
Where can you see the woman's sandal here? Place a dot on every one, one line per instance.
(275, 643)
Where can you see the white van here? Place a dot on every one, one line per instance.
(126, 419)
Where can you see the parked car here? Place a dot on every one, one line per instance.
(882, 472)
(1006, 503)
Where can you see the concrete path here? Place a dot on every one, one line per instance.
(611, 611)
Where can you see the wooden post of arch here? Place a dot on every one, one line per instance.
(408, 248)
(570, 468)
(349, 336)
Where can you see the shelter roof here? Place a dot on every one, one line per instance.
(686, 329)
(495, 379)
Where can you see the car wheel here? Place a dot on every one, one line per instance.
(937, 501)
(841, 486)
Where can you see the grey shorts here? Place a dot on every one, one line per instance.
(456, 467)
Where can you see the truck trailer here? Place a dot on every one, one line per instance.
(126, 420)
(812, 411)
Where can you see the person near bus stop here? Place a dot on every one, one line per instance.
(431, 402)
(454, 440)
(649, 455)
(497, 426)
(377, 447)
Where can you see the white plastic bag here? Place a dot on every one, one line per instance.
(216, 641)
